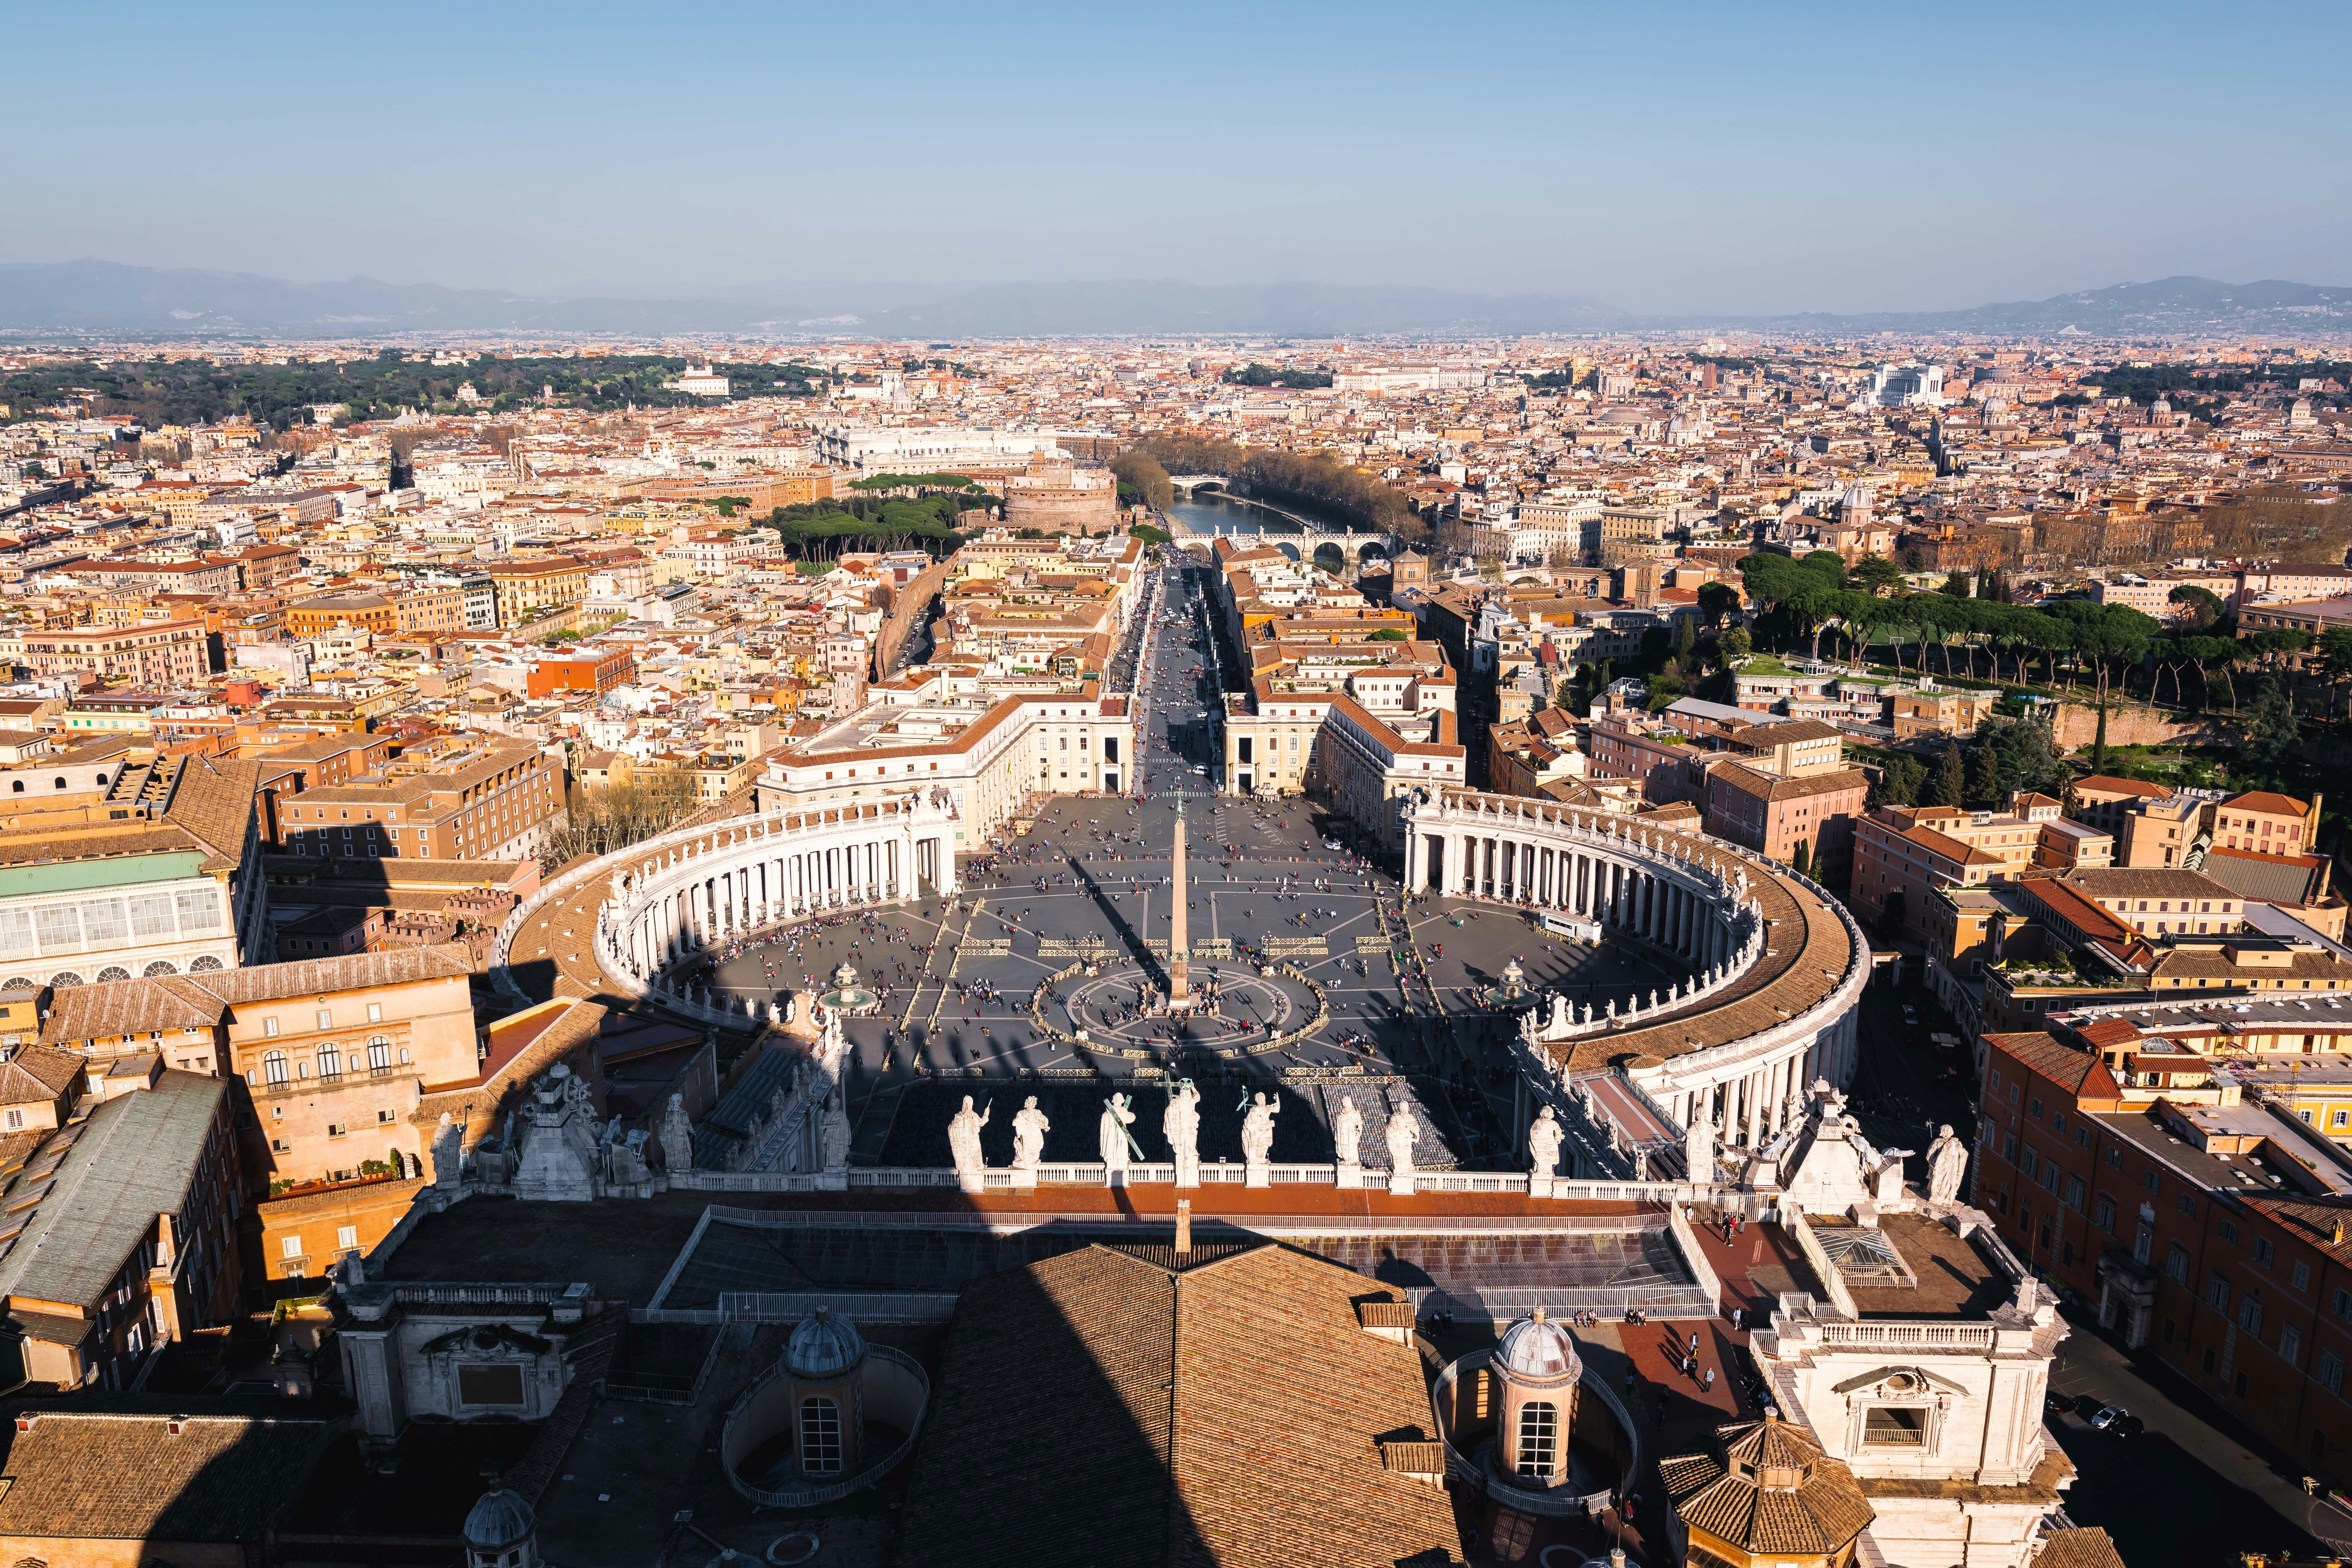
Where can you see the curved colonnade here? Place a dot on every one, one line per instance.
(1777, 965)
(671, 896)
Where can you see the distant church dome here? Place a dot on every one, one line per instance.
(501, 1519)
(823, 1346)
(1538, 1347)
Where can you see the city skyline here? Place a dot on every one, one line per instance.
(1721, 164)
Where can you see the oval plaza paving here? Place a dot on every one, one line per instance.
(1718, 989)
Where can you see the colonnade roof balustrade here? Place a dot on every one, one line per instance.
(1811, 949)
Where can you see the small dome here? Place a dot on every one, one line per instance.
(501, 1519)
(824, 1345)
(1538, 1347)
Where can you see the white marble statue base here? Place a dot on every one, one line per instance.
(1025, 1178)
(1401, 1187)
(1258, 1175)
(1352, 1177)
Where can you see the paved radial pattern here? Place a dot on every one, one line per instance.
(1269, 883)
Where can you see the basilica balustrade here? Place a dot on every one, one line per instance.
(669, 897)
(1774, 965)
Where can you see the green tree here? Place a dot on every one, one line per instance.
(1957, 585)
(1142, 470)
(1685, 638)
(2099, 743)
(2336, 658)
(1914, 560)
(1801, 862)
(1717, 600)
(1734, 645)
(2273, 732)
(1984, 779)
(2202, 606)
(1876, 574)
(1901, 781)
(1950, 785)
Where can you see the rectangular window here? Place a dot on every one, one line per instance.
(2330, 1372)
(2176, 1263)
(151, 915)
(60, 929)
(199, 910)
(2229, 1231)
(2105, 1215)
(2148, 1180)
(490, 1385)
(1894, 1426)
(269, 1028)
(347, 1236)
(2302, 1276)
(2250, 1316)
(2217, 1294)
(2290, 1345)
(2264, 1251)
(2189, 1204)
(292, 1247)
(326, 1018)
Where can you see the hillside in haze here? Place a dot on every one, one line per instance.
(104, 296)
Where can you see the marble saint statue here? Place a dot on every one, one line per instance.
(1181, 1125)
(1111, 1135)
(676, 1135)
(1257, 1132)
(1029, 1129)
(1403, 1132)
(964, 1146)
(1543, 1145)
(1948, 1164)
(1348, 1131)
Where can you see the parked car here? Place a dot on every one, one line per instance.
(2107, 1415)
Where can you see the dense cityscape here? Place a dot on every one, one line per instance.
(695, 791)
(1531, 788)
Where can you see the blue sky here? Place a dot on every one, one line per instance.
(1702, 157)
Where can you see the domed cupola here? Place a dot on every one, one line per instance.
(1535, 1347)
(824, 1347)
(501, 1532)
(1538, 1368)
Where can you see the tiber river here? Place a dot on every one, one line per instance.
(1214, 509)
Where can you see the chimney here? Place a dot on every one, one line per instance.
(1183, 1227)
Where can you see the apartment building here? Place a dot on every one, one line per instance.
(990, 763)
(525, 587)
(124, 1228)
(335, 1053)
(1902, 853)
(158, 655)
(597, 670)
(2211, 1236)
(173, 887)
(453, 798)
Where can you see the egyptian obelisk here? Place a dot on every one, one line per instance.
(1180, 985)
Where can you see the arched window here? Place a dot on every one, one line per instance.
(379, 1054)
(331, 1061)
(18, 786)
(1538, 1437)
(161, 966)
(273, 1066)
(204, 966)
(66, 977)
(820, 1437)
(114, 972)
(61, 783)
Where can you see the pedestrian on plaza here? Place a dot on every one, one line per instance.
(1736, 1313)
(1710, 1380)
(1694, 1348)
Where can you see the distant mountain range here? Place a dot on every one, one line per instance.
(108, 298)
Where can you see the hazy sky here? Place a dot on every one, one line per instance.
(1697, 157)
